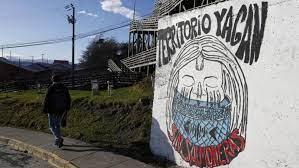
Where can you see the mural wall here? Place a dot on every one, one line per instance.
(210, 63)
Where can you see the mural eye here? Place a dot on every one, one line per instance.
(211, 81)
(188, 81)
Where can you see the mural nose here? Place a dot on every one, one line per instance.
(199, 63)
(197, 91)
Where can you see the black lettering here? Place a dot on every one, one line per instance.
(174, 44)
(207, 29)
(159, 57)
(236, 36)
(170, 51)
(193, 26)
(180, 29)
(228, 24)
(219, 18)
(250, 40)
(162, 35)
(244, 48)
(258, 32)
(160, 48)
(199, 30)
(187, 30)
(177, 37)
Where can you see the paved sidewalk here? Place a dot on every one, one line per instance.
(74, 154)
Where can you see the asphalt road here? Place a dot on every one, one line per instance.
(10, 158)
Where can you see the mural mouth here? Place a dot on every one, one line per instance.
(203, 123)
(202, 110)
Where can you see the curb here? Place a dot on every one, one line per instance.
(50, 157)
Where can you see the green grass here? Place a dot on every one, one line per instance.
(23, 96)
(123, 95)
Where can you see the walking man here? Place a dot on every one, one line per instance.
(56, 104)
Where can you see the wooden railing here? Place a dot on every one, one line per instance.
(149, 24)
(118, 79)
(165, 6)
(113, 67)
(141, 59)
(122, 66)
(11, 86)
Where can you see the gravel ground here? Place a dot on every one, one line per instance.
(10, 158)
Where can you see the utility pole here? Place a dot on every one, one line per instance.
(72, 20)
(32, 59)
(42, 58)
(130, 34)
(134, 10)
(10, 55)
(2, 52)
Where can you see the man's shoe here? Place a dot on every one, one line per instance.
(60, 143)
(57, 142)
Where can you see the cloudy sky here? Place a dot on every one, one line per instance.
(35, 20)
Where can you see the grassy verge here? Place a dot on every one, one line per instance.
(119, 123)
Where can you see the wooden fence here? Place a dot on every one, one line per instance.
(82, 81)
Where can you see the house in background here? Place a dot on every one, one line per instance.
(61, 67)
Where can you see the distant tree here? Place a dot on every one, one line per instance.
(98, 52)
(123, 50)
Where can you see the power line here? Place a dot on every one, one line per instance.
(69, 38)
(55, 41)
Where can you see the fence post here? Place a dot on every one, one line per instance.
(94, 87)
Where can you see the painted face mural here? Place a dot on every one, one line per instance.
(207, 106)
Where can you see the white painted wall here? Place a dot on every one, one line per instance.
(273, 95)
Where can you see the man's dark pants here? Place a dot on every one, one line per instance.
(54, 124)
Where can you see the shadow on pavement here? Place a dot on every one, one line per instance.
(165, 149)
(139, 150)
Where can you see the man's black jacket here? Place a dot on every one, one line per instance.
(57, 99)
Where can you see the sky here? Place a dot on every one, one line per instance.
(35, 20)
